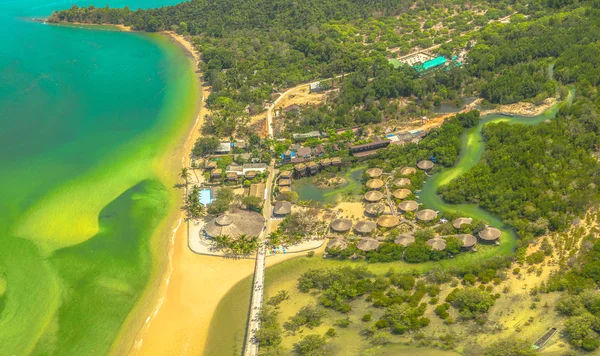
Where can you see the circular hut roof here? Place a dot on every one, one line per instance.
(374, 208)
(365, 227)
(405, 171)
(374, 183)
(459, 222)
(224, 220)
(235, 224)
(408, 205)
(437, 243)
(404, 240)
(426, 215)
(282, 207)
(401, 193)
(338, 242)
(402, 182)
(374, 172)
(468, 240)
(388, 221)
(425, 165)
(367, 244)
(373, 196)
(341, 225)
(489, 234)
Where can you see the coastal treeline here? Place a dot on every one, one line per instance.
(251, 49)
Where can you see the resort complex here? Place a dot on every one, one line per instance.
(301, 178)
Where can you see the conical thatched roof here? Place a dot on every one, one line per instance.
(459, 222)
(404, 240)
(437, 244)
(405, 171)
(365, 227)
(402, 182)
(341, 225)
(374, 208)
(282, 208)
(468, 240)
(426, 215)
(373, 196)
(367, 244)
(388, 221)
(425, 165)
(374, 183)
(489, 234)
(374, 172)
(401, 193)
(235, 224)
(338, 243)
(408, 205)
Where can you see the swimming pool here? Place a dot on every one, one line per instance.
(205, 196)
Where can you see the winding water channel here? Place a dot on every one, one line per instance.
(472, 149)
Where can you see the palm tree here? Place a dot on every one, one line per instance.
(185, 175)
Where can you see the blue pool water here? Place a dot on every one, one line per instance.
(205, 196)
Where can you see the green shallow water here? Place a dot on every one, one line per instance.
(307, 190)
(87, 118)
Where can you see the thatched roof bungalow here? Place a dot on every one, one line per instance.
(365, 227)
(388, 221)
(459, 222)
(374, 209)
(468, 240)
(234, 224)
(426, 215)
(374, 172)
(401, 193)
(408, 205)
(282, 208)
(232, 176)
(325, 162)
(373, 196)
(404, 240)
(367, 244)
(437, 243)
(374, 183)
(406, 171)
(489, 234)
(402, 182)
(250, 174)
(425, 165)
(284, 182)
(339, 243)
(285, 175)
(341, 225)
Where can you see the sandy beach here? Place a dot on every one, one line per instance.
(192, 285)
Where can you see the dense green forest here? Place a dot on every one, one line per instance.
(535, 177)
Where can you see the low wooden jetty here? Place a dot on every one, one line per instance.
(539, 343)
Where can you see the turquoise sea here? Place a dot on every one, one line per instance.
(87, 121)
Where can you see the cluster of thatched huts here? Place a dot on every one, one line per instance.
(377, 209)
